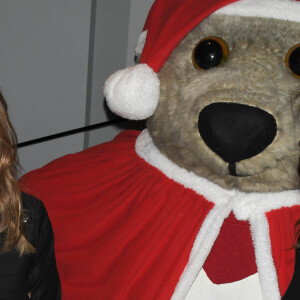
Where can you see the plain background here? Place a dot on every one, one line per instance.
(54, 58)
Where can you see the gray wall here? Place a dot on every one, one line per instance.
(117, 28)
(43, 72)
(54, 58)
(109, 55)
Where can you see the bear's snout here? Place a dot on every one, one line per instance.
(236, 131)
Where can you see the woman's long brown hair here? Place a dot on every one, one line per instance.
(11, 225)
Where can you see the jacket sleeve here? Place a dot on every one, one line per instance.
(43, 278)
(293, 291)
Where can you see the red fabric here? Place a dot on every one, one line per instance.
(283, 238)
(232, 257)
(169, 22)
(122, 229)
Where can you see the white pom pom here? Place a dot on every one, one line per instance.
(133, 93)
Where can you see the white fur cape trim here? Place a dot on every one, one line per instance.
(276, 9)
(245, 289)
(246, 206)
(133, 93)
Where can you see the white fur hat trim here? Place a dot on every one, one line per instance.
(141, 43)
(276, 9)
(133, 93)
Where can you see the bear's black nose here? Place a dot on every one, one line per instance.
(236, 131)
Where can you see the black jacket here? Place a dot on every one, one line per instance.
(293, 291)
(31, 276)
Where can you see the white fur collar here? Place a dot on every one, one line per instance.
(246, 206)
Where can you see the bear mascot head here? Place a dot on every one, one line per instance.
(204, 203)
(234, 79)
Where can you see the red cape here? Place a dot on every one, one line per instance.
(123, 230)
(108, 186)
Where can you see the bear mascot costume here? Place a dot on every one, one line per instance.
(204, 203)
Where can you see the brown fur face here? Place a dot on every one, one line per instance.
(254, 74)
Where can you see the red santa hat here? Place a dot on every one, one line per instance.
(133, 93)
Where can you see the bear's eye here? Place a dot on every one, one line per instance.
(292, 60)
(209, 52)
